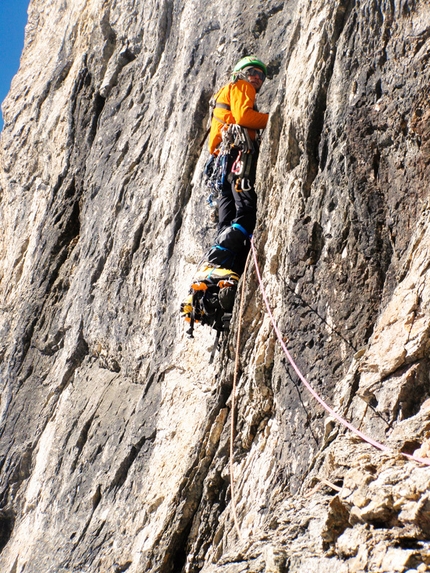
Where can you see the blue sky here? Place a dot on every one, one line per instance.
(13, 18)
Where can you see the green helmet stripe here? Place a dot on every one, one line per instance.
(250, 61)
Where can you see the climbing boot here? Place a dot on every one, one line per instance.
(211, 296)
(226, 297)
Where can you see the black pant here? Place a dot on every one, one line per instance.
(238, 206)
(235, 206)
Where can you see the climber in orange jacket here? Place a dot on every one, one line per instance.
(230, 174)
(234, 103)
(237, 203)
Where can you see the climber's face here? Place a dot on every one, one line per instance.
(255, 77)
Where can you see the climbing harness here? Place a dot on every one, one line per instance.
(218, 170)
(317, 397)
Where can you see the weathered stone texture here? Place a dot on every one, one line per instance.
(115, 430)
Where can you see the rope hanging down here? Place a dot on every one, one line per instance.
(233, 401)
(318, 398)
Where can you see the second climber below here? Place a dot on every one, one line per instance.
(237, 203)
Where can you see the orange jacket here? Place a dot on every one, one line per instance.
(239, 96)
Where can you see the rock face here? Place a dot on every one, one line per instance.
(115, 430)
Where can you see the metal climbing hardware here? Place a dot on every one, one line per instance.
(213, 207)
(246, 165)
(223, 172)
(218, 168)
(245, 184)
(238, 166)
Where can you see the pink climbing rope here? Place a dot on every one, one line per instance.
(318, 398)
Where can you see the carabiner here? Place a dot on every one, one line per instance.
(246, 185)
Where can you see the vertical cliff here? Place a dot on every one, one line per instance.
(115, 430)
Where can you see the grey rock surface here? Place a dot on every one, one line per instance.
(115, 429)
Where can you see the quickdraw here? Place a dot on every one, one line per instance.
(234, 137)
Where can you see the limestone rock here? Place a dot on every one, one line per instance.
(114, 428)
